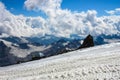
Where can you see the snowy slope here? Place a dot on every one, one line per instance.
(96, 63)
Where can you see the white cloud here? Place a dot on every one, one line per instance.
(59, 22)
(113, 12)
(47, 6)
(64, 22)
(19, 25)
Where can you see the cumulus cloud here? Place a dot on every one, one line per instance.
(18, 25)
(113, 12)
(47, 6)
(59, 22)
(64, 22)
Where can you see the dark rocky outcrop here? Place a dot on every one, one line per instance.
(4, 53)
(3, 49)
(62, 46)
(13, 39)
(24, 46)
(35, 56)
(6, 58)
(88, 42)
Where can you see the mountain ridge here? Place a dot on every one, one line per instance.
(25, 49)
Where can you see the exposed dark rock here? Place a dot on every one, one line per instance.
(88, 42)
(45, 40)
(4, 50)
(35, 56)
(23, 46)
(4, 53)
(13, 39)
(62, 46)
(99, 40)
(6, 58)
(35, 44)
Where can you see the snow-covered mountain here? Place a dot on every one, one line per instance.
(95, 63)
(23, 49)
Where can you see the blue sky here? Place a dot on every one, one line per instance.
(99, 5)
(17, 6)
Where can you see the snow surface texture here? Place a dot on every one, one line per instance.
(96, 63)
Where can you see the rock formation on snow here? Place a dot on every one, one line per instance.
(88, 42)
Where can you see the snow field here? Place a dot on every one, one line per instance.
(98, 63)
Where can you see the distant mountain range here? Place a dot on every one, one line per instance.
(15, 50)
